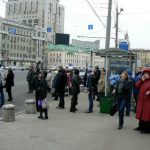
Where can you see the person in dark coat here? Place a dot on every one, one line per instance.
(61, 82)
(76, 80)
(143, 104)
(85, 81)
(137, 77)
(97, 74)
(30, 75)
(9, 83)
(41, 94)
(123, 95)
(91, 83)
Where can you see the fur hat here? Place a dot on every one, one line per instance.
(146, 71)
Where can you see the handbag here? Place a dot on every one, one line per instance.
(45, 104)
(113, 110)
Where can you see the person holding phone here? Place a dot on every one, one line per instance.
(143, 105)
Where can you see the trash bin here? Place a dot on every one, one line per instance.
(106, 104)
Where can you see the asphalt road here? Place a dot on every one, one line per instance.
(19, 91)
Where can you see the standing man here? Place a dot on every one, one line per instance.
(9, 83)
(61, 82)
(29, 79)
(97, 74)
(90, 87)
(75, 90)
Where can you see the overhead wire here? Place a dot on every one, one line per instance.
(96, 13)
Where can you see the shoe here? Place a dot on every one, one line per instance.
(73, 111)
(127, 113)
(145, 131)
(45, 118)
(137, 129)
(76, 109)
(55, 99)
(58, 107)
(40, 117)
(120, 127)
(88, 111)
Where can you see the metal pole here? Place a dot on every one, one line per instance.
(91, 59)
(117, 15)
(107, 42)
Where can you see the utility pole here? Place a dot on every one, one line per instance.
(107, 44)
(117, 24)
(116, 40)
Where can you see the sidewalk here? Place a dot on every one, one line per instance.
(71, 131)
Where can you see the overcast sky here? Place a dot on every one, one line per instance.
(135, 19)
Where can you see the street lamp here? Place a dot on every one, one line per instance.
(117, 24)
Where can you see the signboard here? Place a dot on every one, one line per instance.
(12, 31)
(90, 27)
(124, 45)
(49, 29)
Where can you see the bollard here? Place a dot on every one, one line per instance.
(30, 106)
(81, 88)
(8, 112)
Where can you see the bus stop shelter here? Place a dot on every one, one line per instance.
(117, 60)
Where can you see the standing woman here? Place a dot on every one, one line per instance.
(143, 105)
(122, 93)
(75, 90)
(9, 83)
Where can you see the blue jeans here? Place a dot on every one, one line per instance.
(121, 106)
(2, 97)
(90, 97)
(128, 105)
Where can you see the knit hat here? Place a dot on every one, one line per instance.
(146, 71)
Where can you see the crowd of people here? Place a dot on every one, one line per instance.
(123, 87)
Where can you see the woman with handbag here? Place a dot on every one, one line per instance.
(41, 94)
(123, 95)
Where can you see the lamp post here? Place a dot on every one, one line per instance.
(117, 24)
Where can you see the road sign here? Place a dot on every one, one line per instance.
(12, 31)
(49, 29)
(90, 27)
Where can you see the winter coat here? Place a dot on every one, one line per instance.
(61, 81)
(123, 90)
(41, 88)
(76, 84)
(91, 83)
(101, 84)
(143, 105)
(137, 77)
(9, 80)
(49, 79)
(97, 74)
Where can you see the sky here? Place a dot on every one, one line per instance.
(135, 19)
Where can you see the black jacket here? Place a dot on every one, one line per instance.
(61, 81)
(10, 79)
(91, 83)
(41, 88)
(76, 80)
(123, 90)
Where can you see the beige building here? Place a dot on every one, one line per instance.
(21, 44)
(42, 13)
(143, 56)
(61, 55)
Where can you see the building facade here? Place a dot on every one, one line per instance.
(21, 44)
(86, 44)
(61, 55)
(47, 14)
(143, 57)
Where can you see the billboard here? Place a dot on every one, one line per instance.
(61, 38)
(124, 45)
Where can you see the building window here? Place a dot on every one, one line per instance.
(7, 46)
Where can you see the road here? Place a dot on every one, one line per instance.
(19, 91)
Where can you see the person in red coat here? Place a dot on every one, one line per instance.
(143, 105)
